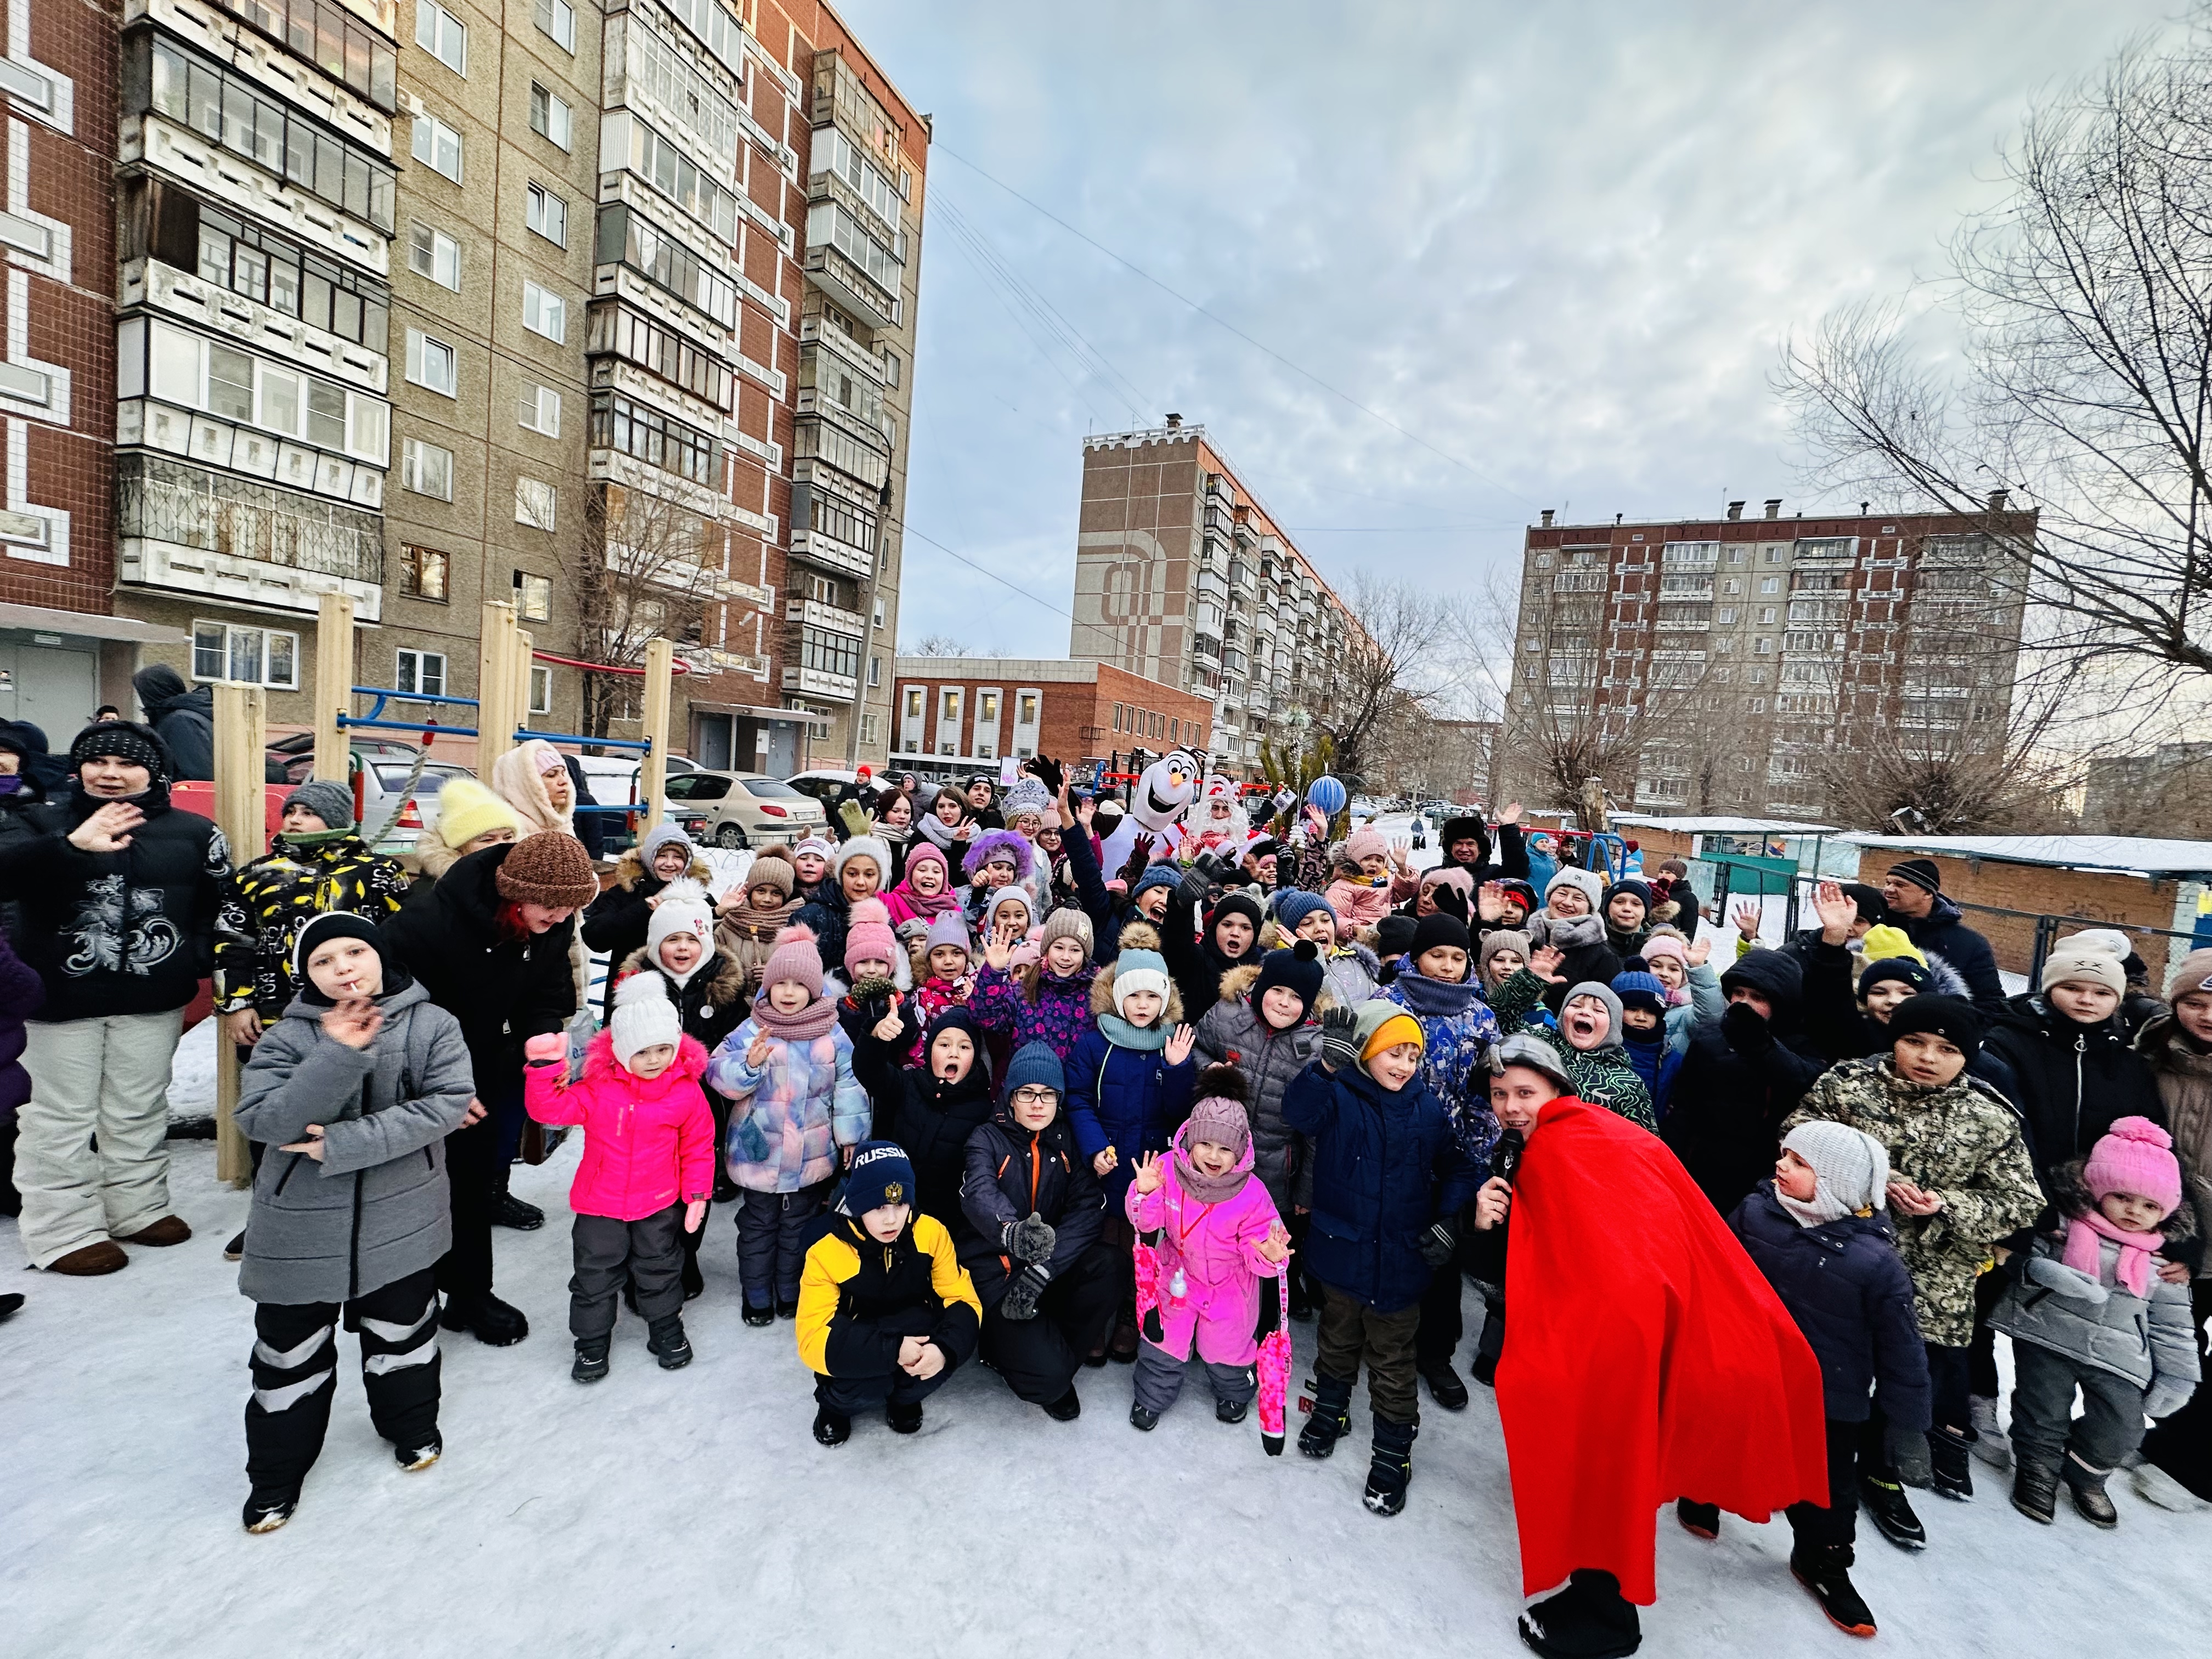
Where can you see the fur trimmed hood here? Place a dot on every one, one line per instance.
(630, 870)
(2069, 1193)
(1102, 987)
(725, 985)
(1238, 983)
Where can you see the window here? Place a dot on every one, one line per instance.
(1772, 555)
(438, 146)
(674, 174)
(539, 410)
(1117, 717)
(829, 653)
(1770, 584)
(541, 690)
(433, 254)
(1727, 615)
(544, 312)
(669, 355)
(875, 670)
(342, 46)
(548, 214)
(914, 699)
(156, 359)
(1765, 646)
(426, 469)
(890, 368)
(441, 34)
(986, 707)
(656, 438)
(534, 500)
(533, 597)
(424, 572)
(627, 237)
(868, 728)
(421, 673)
(246, 656)
(180, 230)
(549, 116)
(431, 362)
(556, 21)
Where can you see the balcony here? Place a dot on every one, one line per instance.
(845, 282)
(875, 431)
(228, 41)
(820, 329)
(829, 617)
(177, 152)
(183, 530)
(190, 298)
(818, 547)
(813, 681)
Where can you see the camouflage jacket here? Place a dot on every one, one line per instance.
(1961, 1140)
(1603, 1075)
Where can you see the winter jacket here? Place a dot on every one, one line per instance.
(1058, 1016)
(616, 921)
(709, 1003)
(16, 823)
(2071, 1081)
(1847, 1288)
(747, 936)
(124, 932)
(1211, 1247)
(1582, 941)
(931, 1119)
(1458, 1031)
(1361, 904)
(829, 913)
(21, 995)
(1130, 1099)
(1943, 933)
(183, 719)
(1108, 914)
(932, 998)
(788, 1119)
(1012, 1175)
(649, 1142)
(1602, 1076)
(1741, 1076)
(265, 904)
(1194, 962)
(1961, 1140)
(859, 1300)
(504, 990)
(1656, 1061)
(374, 1209)
(1386, 1167)
(1351, 973)
(1233, 1033)
(2183, 1076)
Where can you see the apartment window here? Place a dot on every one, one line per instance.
(986, 707)
(879, 613)
(437, 146)
(1117, 717)
(1727, 615)
(548, 214)
(544, 312)
(1758, 705)
(1772, 555)
(675, 175)
(221, 248)
(539, 409)
(629, 237)
(424, 572)
(246, 656)
(541, 690)
(1767, 615)
(422, 673)
(1543, 561)
(433, 254)
(868, 728)
(1770, 584)
(615, 329)
(549, 116)
(656, 438)
(533, 597)
(342, 46)
(828, 653)
(890, 368)
(431, 362)
(556, 21)
(875, 670)
(426, 469)
(534, 500)
(156, 359)
(913, 701)
(441, 34)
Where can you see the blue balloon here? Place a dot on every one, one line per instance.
(1327, 793)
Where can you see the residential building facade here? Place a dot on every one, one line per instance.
(960, 714)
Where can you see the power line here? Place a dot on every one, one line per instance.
(1024, 591)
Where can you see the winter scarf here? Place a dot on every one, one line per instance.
(817, 1018)
(1147, 1039)
(1434, 999)
(1569, 932)
(1206, 1188)
(905, 904)
(2084, 1234)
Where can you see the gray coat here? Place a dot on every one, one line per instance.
(2101, 1324)
(374, 1209)
(1231, 1033)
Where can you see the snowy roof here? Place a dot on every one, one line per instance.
(2137, 854)
(1726, 826)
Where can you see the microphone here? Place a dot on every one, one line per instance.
(1505, 1157)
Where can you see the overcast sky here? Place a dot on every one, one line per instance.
(1559, 244)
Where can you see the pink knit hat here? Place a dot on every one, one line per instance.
(796, 957)
(868, 936)
(1366, 844)
(1223, 1122)
(2134, 1155)
(1666, 944)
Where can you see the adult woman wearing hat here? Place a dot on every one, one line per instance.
(23, 747)
(469, 819)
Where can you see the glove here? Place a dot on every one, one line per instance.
(1748, 1034)
(1029, 1241)
(1340, 1041)
(1450, 900)
(1195, 885)
(545, 1048)
(1047, 772)
(1020, 1301)
(855, 817)
(2069, 1282)
(1907, 1450)
(1438, 1243)
(2167, 1395)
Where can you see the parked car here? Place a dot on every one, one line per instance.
(736, 809)
(823, 784)
(613, 778)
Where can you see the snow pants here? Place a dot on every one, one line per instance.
(848, 1395)
(2044, 1426)
(1948, 1370)
(608, 1252)
(1350, 1331)
(2182, 1444)
(472, 1184)
(1159, 1378)
(296, 1367)
(1038, 1357)
(91, 1160)
(1835, 1524)
(771, 1241)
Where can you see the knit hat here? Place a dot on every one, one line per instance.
(1220, 1115)
(2091, 967)
(1502, 938)
(1157, 875)
(547, 868)
(1034, 1065)
(2194, 975)
(2109, 939)
(1526, 1049)
(1140, 970)
(881, 1175)
(546, 756)
(1066, 923)
(1668, 944)
(953, 1016)
(1904, 970)
(874, 847)
(1363, 844)
(1584, 881)
(1639, 988)
(1297, 970)
(767, 869)
(1851, 1166)
(1012, 893)
(663, 834)
(1952, 1018)
(643, 1017)
(2134, 1155)
(1635, 888)
(814, 844)
(1513, 888)
(1385, 1025)
(1453, 876)
(950, 928)
(1027, 795)
(1292, 905)
(467, 810)
(331, 802)
(1437, 929)
(684, 908)
(1869, 900)
(1393, 936)
(125, 740)
(1884, 943)
(1921, 872)
(927, 852)
(1604, 995)
(319, 930)
(796, 957)
(1235, 902)
(1262, 847)
(868, 935)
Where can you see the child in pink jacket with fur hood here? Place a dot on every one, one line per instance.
(1367, 887)
(1219, 1238)
(647, 1168)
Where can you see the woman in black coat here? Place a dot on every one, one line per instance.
(931, 1109)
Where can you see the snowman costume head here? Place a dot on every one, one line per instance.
(1164, 793)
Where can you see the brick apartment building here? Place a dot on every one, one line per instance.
(964, 714)
(1734, 661)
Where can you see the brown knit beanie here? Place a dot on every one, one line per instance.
(1067, 924)
(770, 871)
(2195, 974)
(547, 868)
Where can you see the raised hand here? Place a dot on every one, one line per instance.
(1340, 1039)
(998, 947)
(1544, 961)
(888, 1029)
(353, 1022)
(1178, 1047)
(1150, 1173)
(756, 1050)
(108, 829)
(1699, 951)
(1490, 902)
(1511, 814)
(1748, 918)
(544, 1049)
(1837, 912)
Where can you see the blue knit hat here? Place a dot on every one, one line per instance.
(1294, 904)
(1035, 1064)
(882, 1174)
(1158, 875)
(1639, 989)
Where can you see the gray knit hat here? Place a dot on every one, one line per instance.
(1853, 1167)
(1585, 881)
(1605, 995)
(1527, 1049)
(331, 802)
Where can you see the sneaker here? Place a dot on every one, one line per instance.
(2035, 1493)
(1444, 1386)
(169, 1229)
(235, 1251)
(590, 1359)
(1990, 1443)
(1067, 1408)
(759, 1316)
(832, 1428)
(1699, 1520)
(668, 1344)
(1826, 1573)
(1955, 1464)
(422, 1458)
(1230, 1411)
(905, 1417)
(1892, 1516)
(496, 1323)
(90, 1260)
(1144, 1417)
(267, 1512)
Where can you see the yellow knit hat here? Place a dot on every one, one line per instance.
(1886, 943)
(1389, 1032)
(466, 809)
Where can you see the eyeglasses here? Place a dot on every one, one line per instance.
(1035, 1096)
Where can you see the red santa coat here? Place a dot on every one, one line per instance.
(1647, 1358)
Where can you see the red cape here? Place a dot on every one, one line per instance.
(1646, 1357)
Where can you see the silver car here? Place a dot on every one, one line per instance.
(741, 809)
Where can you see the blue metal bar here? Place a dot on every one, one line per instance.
(382, 696)
(635, 806)
(349, 721)
(643, 748)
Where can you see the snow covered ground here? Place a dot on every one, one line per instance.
(691, 1513)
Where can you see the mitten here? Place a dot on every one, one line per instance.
(1745, 1030)
(1907, 1450)
(1340, 1039)
(1437, 1244)
(2167, 1396)
(1030, 1240)
(545, 1048)
(1020, 1301)
(1195, 885)
(1047, 772)
(2068, 1282)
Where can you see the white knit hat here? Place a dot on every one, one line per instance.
(1585, 881)
(873, 847)
(684, 908)
(643, 1017)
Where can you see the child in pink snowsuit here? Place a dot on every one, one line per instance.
(1220, 1238)
(1365, 889)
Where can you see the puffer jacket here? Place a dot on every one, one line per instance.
(1195, 962)
(1233, 1033)
(1961, 1140)
(1740, 1077)
(931, 1119)
(829, 913)
(1012, 1175)
(2184, 1075)
(1847, 1288)
(2073, 1081)
(709, 1003)
(1058, 1016)
(182, 717)
(1211, 1246)
(1351, 973)
(1458, 1031)
(649, 1142)
(16, 823)
(1130, 1099)
(860, 1299)
(265, 904)
(1943, 933)
(376, 1208)
(789, 1118)
(616, 921)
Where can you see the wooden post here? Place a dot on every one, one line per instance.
(499, 710)
(239, 814)
(652, 770)
(333, 685)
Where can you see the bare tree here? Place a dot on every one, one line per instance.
(643, 566)
(1395, 674)
(941, 644)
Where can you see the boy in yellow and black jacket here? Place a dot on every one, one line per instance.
(886, 1312)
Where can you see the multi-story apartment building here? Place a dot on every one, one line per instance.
(1734, 664)
(1182, 577)
(957, 714)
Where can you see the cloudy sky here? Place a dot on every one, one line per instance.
(1557, 244)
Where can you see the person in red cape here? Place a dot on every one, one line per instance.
(1648, 1359)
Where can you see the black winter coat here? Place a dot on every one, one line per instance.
(1741, 1076)
(931, 1118)
(184, 719)
(1194, 962)
(127, 933)
(1011, 1175)
(503, 991)
(1943, 933)
(711, 1004)
(2070, 1081)
(1840, 1030)
(1512, 860)
(828, 912)
(16, 824)
(1847, 1288)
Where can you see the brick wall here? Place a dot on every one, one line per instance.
(1077, 717)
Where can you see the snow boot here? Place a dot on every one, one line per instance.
(1954, 1466)
(786, 1310)
(832, 1428)
(1990, 1443)
(11, 1303)
(1392, 1468)
(666, 1342)
(759, 1316)
(1699, 1520)
(1067, 1408)
(487, 1318)
(266, 1512)
(904, 1416)
(590, 1359)
(1302, 1307)
(1485, 1369)
(90, 1260)
(2035, 1492)
(419, 1457)
(159, 1235)
(1144, 1416)
(235, 1251)
(1825, 1569)
(1230, 1411)
(1331, 1417)
(1444, 1386)
(2091, 1501)
(1588, 1620)
(1892, 1516)
(508, 1211)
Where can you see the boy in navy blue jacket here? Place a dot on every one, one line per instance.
(1390, 1183)
(1818, 1232)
